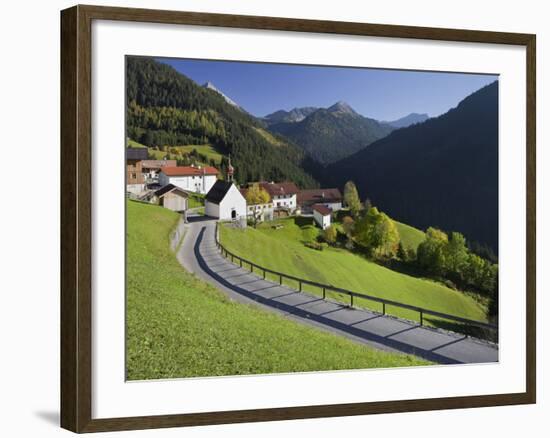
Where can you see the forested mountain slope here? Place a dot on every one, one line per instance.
(443, 172)
(330, 134)
(164, 107)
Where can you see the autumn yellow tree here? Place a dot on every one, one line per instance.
(257, 197)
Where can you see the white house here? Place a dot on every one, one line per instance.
(196, 179)
(283, 196)
(321, 215)
(225, 202)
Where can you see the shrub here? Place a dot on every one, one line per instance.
(330, 234)
(449, 284)
(316, 245)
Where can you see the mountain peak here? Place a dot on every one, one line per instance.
(408, 120)
(210, 86)
(341, 107)
(292, 116)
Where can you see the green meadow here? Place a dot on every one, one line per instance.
(282, 249)
(180, 326)
(410, 237)
(205, 149)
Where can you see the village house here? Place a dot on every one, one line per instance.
(225, 202)
(193, 178)
(322, 215)
(135, 181)
(151, 169)
(171, 197)
(283, 196)
(331, 198)
(261, 212)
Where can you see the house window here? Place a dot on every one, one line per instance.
(134, 176)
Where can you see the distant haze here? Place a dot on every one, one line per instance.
(262, 89)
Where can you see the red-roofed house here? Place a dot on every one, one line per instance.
(331, 198)
(196, 179)
(322, 215)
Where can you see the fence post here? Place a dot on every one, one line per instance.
(300, 283)
(251, 267)
(264, 274)
(281, 280)
(383, 308)
(324, 293)
(241, 262)
(351, 296)
(421, 318)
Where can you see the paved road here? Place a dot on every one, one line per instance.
(199, 255)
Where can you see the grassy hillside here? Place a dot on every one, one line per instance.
(179, 326)
(204, 149)
(410, 236)
(283, 250)
(134, 144)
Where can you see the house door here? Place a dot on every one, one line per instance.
(233, 214)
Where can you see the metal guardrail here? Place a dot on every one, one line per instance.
(326, 287)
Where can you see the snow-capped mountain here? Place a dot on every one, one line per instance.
(209, 85)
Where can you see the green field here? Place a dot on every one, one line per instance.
(283, 250)
(269, 137)
(205, 149)
(410, 237)
(134, 144)
(179, 326)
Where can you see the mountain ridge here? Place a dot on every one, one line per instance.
(408, 120)
(322, 129)
(210, 86)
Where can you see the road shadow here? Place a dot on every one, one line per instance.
(319, 318)
(193, 219)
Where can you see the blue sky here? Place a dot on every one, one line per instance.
(381, 94)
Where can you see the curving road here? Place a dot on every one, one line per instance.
(198, 254)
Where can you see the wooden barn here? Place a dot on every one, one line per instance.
(171, 197)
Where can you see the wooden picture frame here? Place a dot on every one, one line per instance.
(76, 217)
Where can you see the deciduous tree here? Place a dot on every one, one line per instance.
(257, 196)
(431, 252)
(351, 198)
(377, 232)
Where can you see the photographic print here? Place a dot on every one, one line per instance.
(289, 218)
